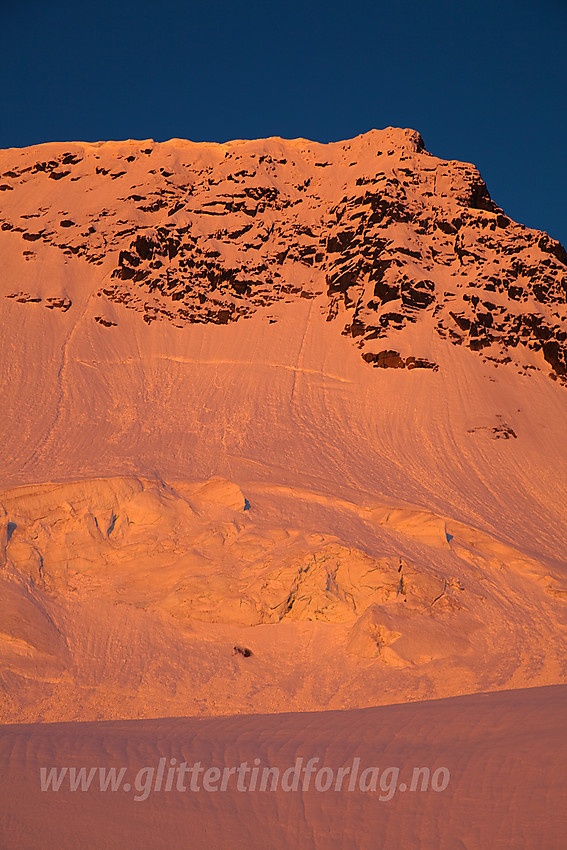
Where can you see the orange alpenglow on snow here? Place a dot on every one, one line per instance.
(282, 431)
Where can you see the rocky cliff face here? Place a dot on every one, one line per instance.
(384, 234)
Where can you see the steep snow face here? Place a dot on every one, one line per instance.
(361, 354)
(254, 310)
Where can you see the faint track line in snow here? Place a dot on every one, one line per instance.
(297, 368)
(61, 388)
(195, 361)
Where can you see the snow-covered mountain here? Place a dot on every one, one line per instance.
(282, 429)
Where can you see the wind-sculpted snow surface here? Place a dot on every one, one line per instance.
(503, 755)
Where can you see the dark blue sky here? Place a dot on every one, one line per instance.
(482, 80)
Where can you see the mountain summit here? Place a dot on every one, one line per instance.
(383, 234)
